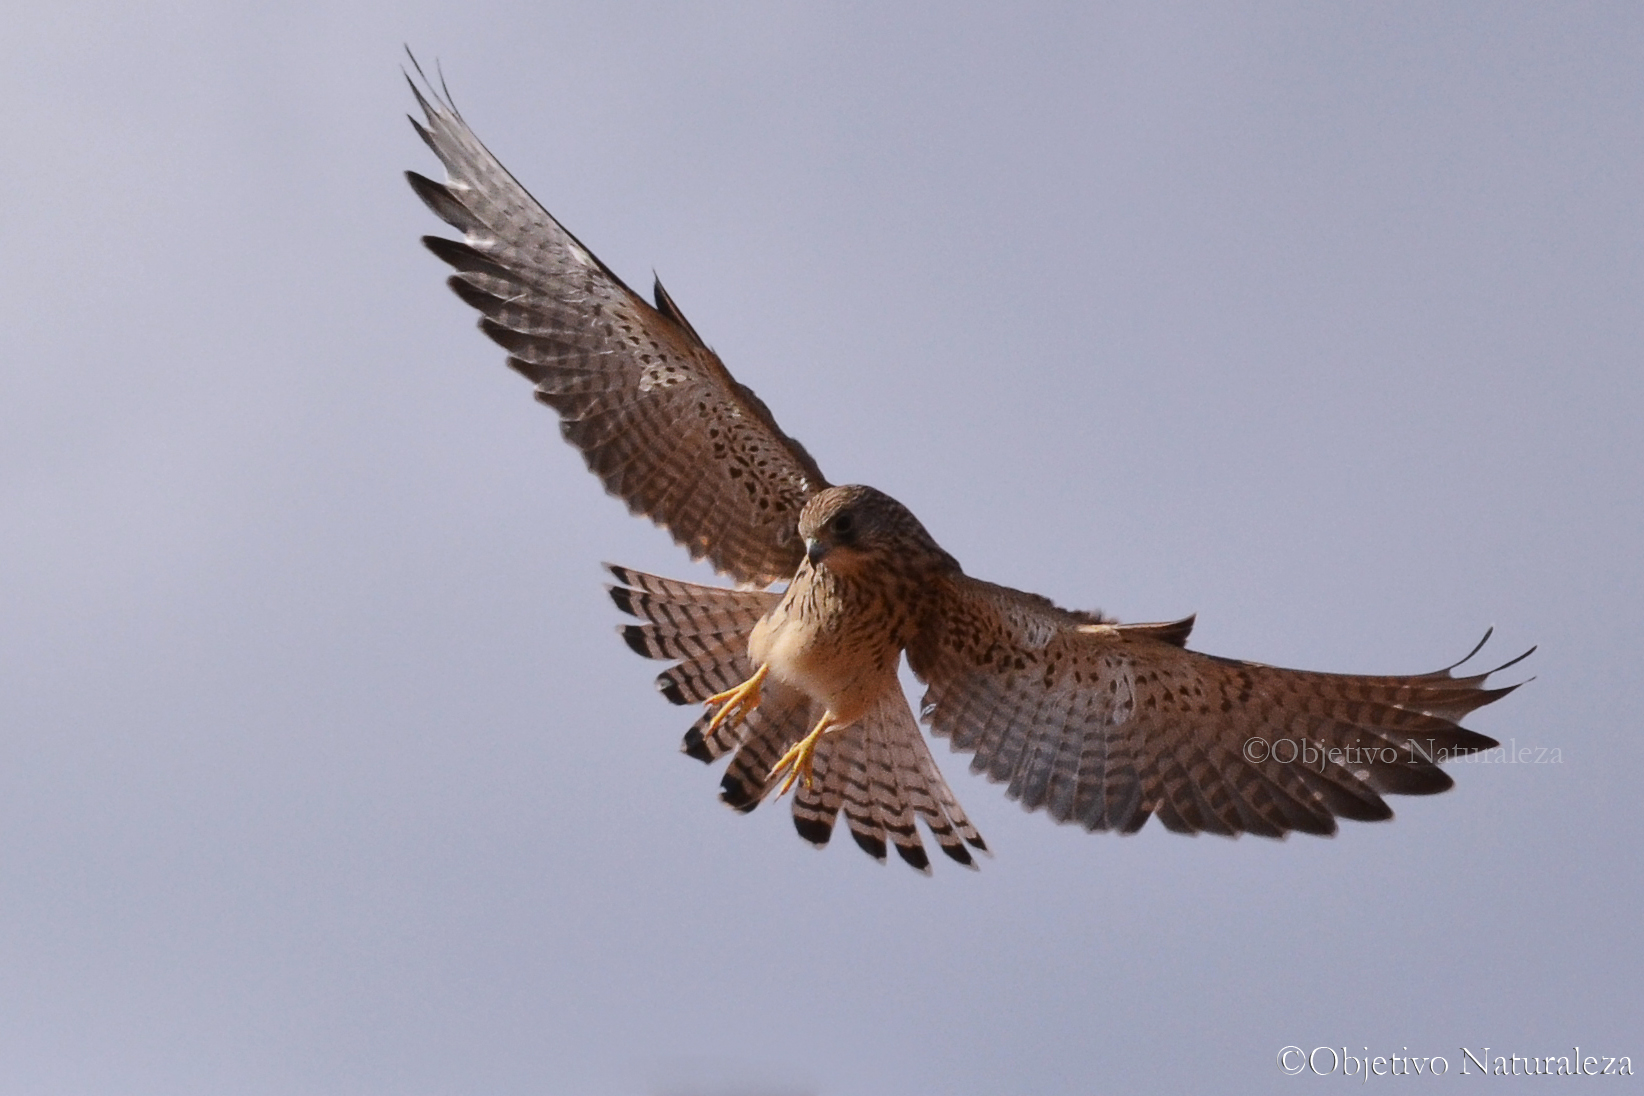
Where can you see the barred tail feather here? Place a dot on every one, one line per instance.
(782, 719)
(879, 771)
(704, 627)
(688, 607)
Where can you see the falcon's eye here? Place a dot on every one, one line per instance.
(842, 525)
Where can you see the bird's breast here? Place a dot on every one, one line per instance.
(835, 643)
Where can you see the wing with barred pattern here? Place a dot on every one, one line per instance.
(1106, 725)
(655, 413)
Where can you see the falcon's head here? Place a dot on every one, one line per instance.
(854, 526)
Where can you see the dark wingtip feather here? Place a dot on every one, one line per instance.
(624, 598)
(460, 255)
(1317, 825)
(1514, 662)
(1411, 780)
(1177, 632)
(467, 261)
(1345, 797)
(437, 196)
(1461, 740)
(665, 305)
(416, 64)
(444, 204)
(422, 100)
(444, 93)
(1356, 809)
(422, 130)
(473, 296)
(669, 688)
(515, 342)
(1174, 632)
(959, 854)
(534, 373)
(1477, 647)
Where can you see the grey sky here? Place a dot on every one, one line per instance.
(322, 770)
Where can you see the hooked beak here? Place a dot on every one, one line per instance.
(815, 550)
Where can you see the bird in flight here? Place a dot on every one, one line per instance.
(1098, 723)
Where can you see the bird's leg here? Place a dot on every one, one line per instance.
(738, 702)
(797, 761)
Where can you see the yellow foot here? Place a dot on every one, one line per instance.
(738, 702)
(798, 760)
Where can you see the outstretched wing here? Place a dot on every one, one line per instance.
(654, 412)
(1105, 724)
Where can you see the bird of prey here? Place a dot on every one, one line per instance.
(1099, 723)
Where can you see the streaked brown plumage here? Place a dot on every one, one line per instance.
(1099, 723)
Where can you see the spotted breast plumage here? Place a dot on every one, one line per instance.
(1098, 723)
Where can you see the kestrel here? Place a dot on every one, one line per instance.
(1099, 723)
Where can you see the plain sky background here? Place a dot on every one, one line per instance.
(322, 770)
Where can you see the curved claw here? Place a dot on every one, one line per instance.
(799, 758)
(737, 703)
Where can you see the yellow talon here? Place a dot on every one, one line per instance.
(798, 760)
(738, 702)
